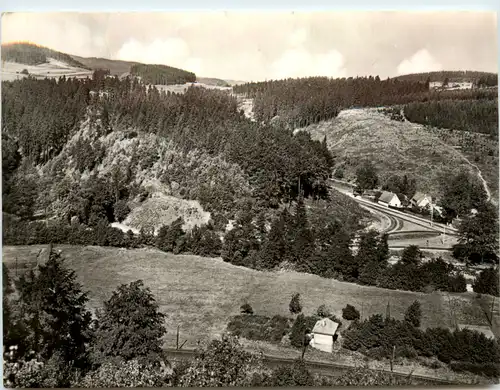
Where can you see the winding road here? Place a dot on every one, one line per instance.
(403, 228)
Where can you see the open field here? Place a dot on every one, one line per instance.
(395, 148)
(201, 294)
(52, 69)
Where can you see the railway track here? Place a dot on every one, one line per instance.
(326, 369)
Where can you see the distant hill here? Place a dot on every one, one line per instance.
(151, 74)
(32, 54)
(162, 74)
(213, 81)
(116, 67)
(452, 76)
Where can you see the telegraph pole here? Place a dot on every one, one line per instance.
(432, 209)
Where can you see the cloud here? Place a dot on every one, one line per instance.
(301, 63)
(298, 37)
(420, 62)
(171, 51)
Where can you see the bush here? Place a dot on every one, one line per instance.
(487, 282)
(413, 314)
(323, 311)
(255, 327)
(246, 309)
(297, 334)
(350, 313)
(123, 374)
(295, 305)
(296, 375)
(486, 369)
(121, 210)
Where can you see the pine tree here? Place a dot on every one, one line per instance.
(295, 305)
(303, 245)
(54, 310)
(413, 314)
(272, 252)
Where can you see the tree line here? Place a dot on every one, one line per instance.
(300, 102)
(479, 116)
(325, 250)
(162, 74)
(31, 54)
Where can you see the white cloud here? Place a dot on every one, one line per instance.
(301, 63)
(421, 61)
(298, 37)
(171, 51)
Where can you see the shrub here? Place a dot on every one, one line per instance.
(487, 369)
(255, 327)
(121, 210)
(323, 311)
(246, 308)
(296, 375)
(487, 282)
(123, 374)
(295, 305)
(413, 314)
(350, 313)
(297, 334)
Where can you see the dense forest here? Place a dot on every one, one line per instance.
(31, 54)
(480, 116)
(490, 79)
(300, 102)
(161, 74)
(274, 159)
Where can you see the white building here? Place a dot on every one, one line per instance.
(389, 199)
(421, 200)
(323, 335)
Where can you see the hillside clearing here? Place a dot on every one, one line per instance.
(395, 148)
(52, 69)
(201, 294)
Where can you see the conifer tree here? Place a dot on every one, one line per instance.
(54, 310)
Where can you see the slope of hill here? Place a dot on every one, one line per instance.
(32, 54)
(212, 81)
(394, 148)
(116, 67)
(452, 76)
(201, 294)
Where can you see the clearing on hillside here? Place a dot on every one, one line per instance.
(201, 294)
(395, 148)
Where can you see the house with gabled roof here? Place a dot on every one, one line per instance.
(421, 200)
(389, 199)
(324, 335)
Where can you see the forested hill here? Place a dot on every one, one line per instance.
(162, 74)
(32, 54)
(115, 67)
(452, 76)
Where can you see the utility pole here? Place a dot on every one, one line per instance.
(432, 209)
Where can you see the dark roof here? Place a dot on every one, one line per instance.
(386, 196)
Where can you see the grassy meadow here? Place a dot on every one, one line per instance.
(201, 294)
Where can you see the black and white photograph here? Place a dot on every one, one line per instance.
(211, 198)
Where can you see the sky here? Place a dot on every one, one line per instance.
(252, 46)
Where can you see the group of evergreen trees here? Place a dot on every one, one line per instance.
(467, 350)
(39, 116)
(325, 250)
(31, 54)
(162, 74)
(301, 102)
(480, 116)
